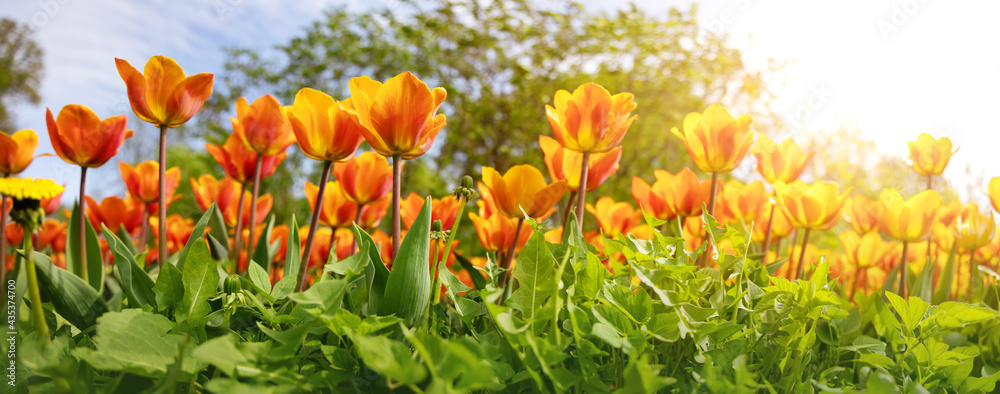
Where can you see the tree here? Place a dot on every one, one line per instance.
(501, 62)
(20, 69)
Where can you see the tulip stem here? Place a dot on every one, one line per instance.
(397, 179)
(82, 228)
(3, 237)
(238, 231)
(162, 247)
(313, 225)
(253, 210)
(357, 221)
(767, 233)
(802, 254)
(904, 288)
(37, 314)
(854, 285)
(930, 183)
(581, 196)
(569, 208)
(509, 257)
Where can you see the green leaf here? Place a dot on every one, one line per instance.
(136, 284)
(453, 286)
(259, 278)
(169, 288)
(95, 262)
(201, 282)
(637, 306)
(196, 237)
(642, 377)
(911, 312)
(219, 229)
(376, 275)
(390, 358)
(408, 289)
(477, 280)
(134, 341)
(71, 297)
(293, 258)
(326, 294)
(943, 291)
(534, 275)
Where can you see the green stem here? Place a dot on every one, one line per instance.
(163, 197)
(37, 313)
(397, 179)
(447, 251)
(82, 227)
(583, 190)
(238, 231)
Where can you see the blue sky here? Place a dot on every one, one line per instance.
(894, 68)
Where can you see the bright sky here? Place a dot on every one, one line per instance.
(894, 68)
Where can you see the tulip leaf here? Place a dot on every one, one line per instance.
(535, 275)
(261, 252)
(71, 297)
(95, 262)
(943, 290)
(290, 281)
(201, 282)
(136, 284)
(127, 240)
(196, 235)
(408, 289)
(169, 287)
(219, 228)
(376, 275)
(477, 279)
(218, 248)
(923, 285)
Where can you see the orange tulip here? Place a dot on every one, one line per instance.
(949, 212)
(324, 128)
(179, 230)
(364, 178)
(496, 231)
(264, 205)
(715, 140)
(16, 151)
(51, 205)
(263, 125)
(590, 119)
(226, 193)
(79, 137)
(115, 212)
(746, 202)
(444, 209)
(342, 241)
(780, 162)
(863, 214)
(814, 207)
(398, 117)
(142, 181)
(337, 210)
(372, 214)
(384, 242)
(523, 187)
(908, 220)
(13, 233)
(865, 251)
(654, 199)
(566, 164)
(929, 156)
(614, 218)
(687, 195)
(162, 94)
(238, 162)
(52, 233)
(973, 229)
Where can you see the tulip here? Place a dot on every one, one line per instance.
(142, 180)
(521, 192)
(863, 214)
(232, 213)
(810, 207)
(399, 121)
(929, 156)
(863, 252)
(590, 120)
(614, 218)
(52, 233)
(973, 231)
(372, 214)
(745, 202)
(365, 179)
(79, 137)
(326, 131)
(496, 231)
(444, 209)
(687, 195)
(115, 213)
(264, 128)
(179, 230)
(337, 211)
(654, 198)
(994, 193)
(907, 221)
(565, 164)
(780, 162)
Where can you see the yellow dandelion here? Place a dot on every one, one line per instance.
(29, 189)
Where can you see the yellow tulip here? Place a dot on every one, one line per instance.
(974, 230)
(780, 162)
(715, 140)
(929, 156)
(590, 119)
(523, 187)
(908, 220)
(814, 207)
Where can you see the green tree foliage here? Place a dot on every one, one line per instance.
(20, 69)
(501, 62)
